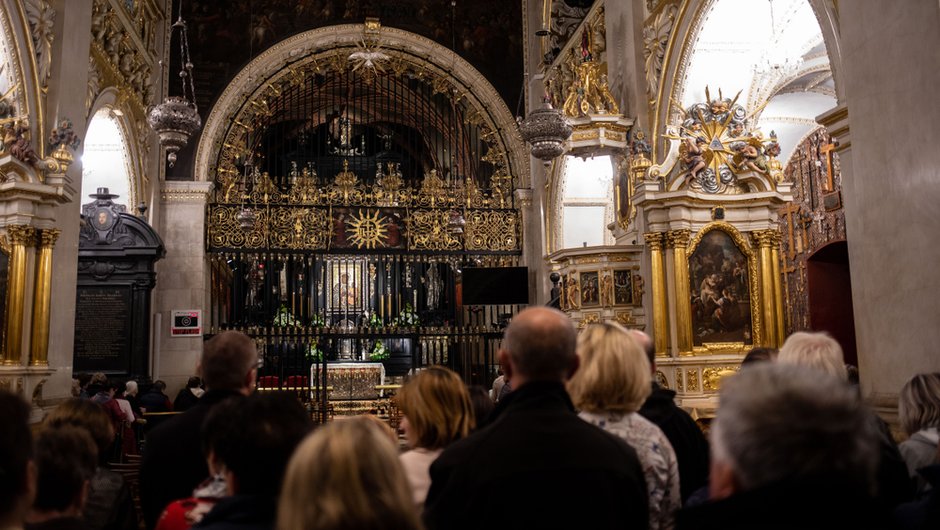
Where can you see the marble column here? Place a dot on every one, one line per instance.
(42, 298)
(891, 186)
(183, 279)
(678, 240)
(660, 305)
(765, 240)
(21, 238)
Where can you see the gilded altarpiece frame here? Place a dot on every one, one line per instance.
(724, 239)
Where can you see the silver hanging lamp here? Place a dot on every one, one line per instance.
(177, 118)
(545, 130)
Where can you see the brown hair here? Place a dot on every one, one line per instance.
(346, 475)
(614, 375)
(87, 415)
(438, 407)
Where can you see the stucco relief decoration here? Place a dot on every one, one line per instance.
(719, 151)
(565, 21)
(41, 19)
(655, 40)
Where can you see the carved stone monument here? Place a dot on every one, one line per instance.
(116, 256)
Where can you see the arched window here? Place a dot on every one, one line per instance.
(105, 161)
(772, 51)
(587, 201)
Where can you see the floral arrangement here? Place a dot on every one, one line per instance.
(317, 320)
(314, 353)
(284, 318)
(374, 321)
(408, 317)
(379, 352)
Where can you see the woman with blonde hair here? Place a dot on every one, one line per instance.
(609, 388)
(346, 475)
(919, 415)
(436, 411)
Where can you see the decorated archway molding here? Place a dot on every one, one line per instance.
(285, 58)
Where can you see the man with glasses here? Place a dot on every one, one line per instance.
(173, 463)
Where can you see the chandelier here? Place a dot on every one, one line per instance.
(177, 118)
(545, 130)
(775, 61)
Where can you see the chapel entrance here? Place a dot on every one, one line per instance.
(830, 296)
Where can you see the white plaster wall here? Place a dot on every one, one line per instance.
(891, 66)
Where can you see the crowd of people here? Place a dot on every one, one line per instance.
(581, 437)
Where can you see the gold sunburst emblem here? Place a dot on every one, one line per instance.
(368, 229)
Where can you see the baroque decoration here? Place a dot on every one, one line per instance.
(385, 183)
(719, 152)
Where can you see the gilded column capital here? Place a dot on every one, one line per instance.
(22, 235)
(654, 240)
(678, 238)
(47, 238)
(765, 238)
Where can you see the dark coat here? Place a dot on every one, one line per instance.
(240, 512)
(684, 434)
(185, 400)
(537, 465)
(155, 401)
(818, 504)
(173, 463)
(923, 513)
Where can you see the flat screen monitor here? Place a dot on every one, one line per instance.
(495, 285)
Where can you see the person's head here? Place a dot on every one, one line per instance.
(86, 415)
(539, 345)
(193, 382)
(250, 439)
(382, 424)
(481, 403)
(83, 379)
(614, 375)
(98, 378)
(781, 422)
(66, 458)
(229, 362)
(757, 355)
(645, 342)
(435, 407)
(17, 470)
(130, 388)
(346, 475)
(158, 386)
(816, 350)
(919, 403)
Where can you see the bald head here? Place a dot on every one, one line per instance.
(540, 345)
(228, 362)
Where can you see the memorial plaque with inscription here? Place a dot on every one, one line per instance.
(103, 328)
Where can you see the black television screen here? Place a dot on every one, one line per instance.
(495, 285)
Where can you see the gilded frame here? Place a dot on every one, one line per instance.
(753, 272)
(590, 289)
(619, 300)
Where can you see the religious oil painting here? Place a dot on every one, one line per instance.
(623, 287)
(719, 283)
(590, 289)
(346, 298)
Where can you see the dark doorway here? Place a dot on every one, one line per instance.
(830, 296)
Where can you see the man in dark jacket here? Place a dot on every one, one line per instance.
(537, 465)
(173, 463)
(683, 433)
(792, 448)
